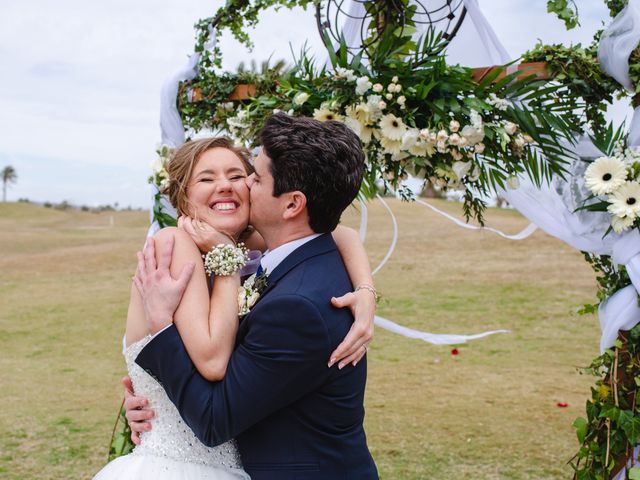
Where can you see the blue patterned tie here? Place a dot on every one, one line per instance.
(259, 271)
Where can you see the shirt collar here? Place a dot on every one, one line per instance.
(272, 258)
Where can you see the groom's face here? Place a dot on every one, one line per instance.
(265, 208)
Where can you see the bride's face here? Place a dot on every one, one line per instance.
(218, 193)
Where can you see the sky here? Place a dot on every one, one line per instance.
(80, 88)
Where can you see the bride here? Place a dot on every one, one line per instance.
(207, 187)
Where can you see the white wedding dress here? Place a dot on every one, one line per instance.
(170, 450)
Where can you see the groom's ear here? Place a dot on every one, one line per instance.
(295, 204)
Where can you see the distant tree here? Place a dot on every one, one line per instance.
(9, 176)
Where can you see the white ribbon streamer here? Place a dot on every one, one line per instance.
(434, 338)
(618, 312)
(394, 240)
(526, 232)
(364, 220)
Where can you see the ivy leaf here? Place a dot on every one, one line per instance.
(632, 429)
(580, 424)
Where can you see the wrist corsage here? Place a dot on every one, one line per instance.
(225, 259)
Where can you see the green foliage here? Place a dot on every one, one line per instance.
(612, 427)
(121, 443)
(610, 277)
(577, 70)
(565, 10)
(615, 6)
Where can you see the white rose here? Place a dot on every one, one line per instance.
(461, 168)
(472, 134)
(442, 136)
(398, 88)
(479, 148)
(510, 128)
(382, 105)
(520, 143)
(395, 79)
(401, 100)
(527, 138)
(388, 96)
(513, 183)
(253, 298)
(300, 98)
(391, 88)
(410, 138)
(378, 87)
(424, 133)
(363, 85)
(463, 142)
(456, 154)
(454, 139)
(454, 126)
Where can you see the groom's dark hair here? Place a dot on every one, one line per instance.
(323, 160)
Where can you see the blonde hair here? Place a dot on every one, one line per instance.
(184, 159)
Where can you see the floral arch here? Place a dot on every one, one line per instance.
(531, 130)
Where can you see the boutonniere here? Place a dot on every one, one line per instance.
(249, 292)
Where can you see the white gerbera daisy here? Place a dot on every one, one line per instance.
(392, 127)
(422, 148)
(390, 146)
(361, 112)
(625, 201)
(324, 114)
(605, 175)
(620, 224)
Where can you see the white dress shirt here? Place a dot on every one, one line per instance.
(272, 258)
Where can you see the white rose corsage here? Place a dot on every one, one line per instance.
(249, 292)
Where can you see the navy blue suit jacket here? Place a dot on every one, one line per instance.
(293, 417)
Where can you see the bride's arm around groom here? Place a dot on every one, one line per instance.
(292, 415)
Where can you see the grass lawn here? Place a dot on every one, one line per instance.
(489, 413)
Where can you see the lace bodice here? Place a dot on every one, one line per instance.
(169, 436)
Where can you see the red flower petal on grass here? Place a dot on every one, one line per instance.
(562, 404)
(454, 351)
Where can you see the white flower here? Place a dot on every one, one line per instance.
(391, 88)
(378, 87)
(455, 153)
(472, 134)
(324, 114)
(227, 106)
(425, 134)
(361, 112)
(510, 128)
(513, 183)
(441, 145)
(392, 127)
(354, 125)
(461, 169)
(476, 120)
(442, 136)
(300, 98)
(365, 134)
(157, 165)
(520, 142)
(625, 201)
(395, 79)
(499, 103)
(382, 105)
(454, 139)
(527, 138)
(164, 183)
(454, 126)
(422, 149)
(401, 100)
(605, 175)
(410, 138)
(391, 146)
(363, 85)
(398, 88)
(620, 224)
(388, 96)
(463, 142)
(345, 73)
(479, 148)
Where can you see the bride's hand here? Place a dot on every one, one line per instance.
(137, 413)
(362, 303)
(204, 235)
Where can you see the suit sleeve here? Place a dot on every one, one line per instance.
(282, 358)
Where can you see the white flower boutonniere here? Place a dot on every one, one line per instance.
(249, 292)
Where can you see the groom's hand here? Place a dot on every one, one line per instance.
(137, 414)
(161, 294)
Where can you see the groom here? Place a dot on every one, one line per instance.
(292, 417)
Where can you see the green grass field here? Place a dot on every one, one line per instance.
(489, 413)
